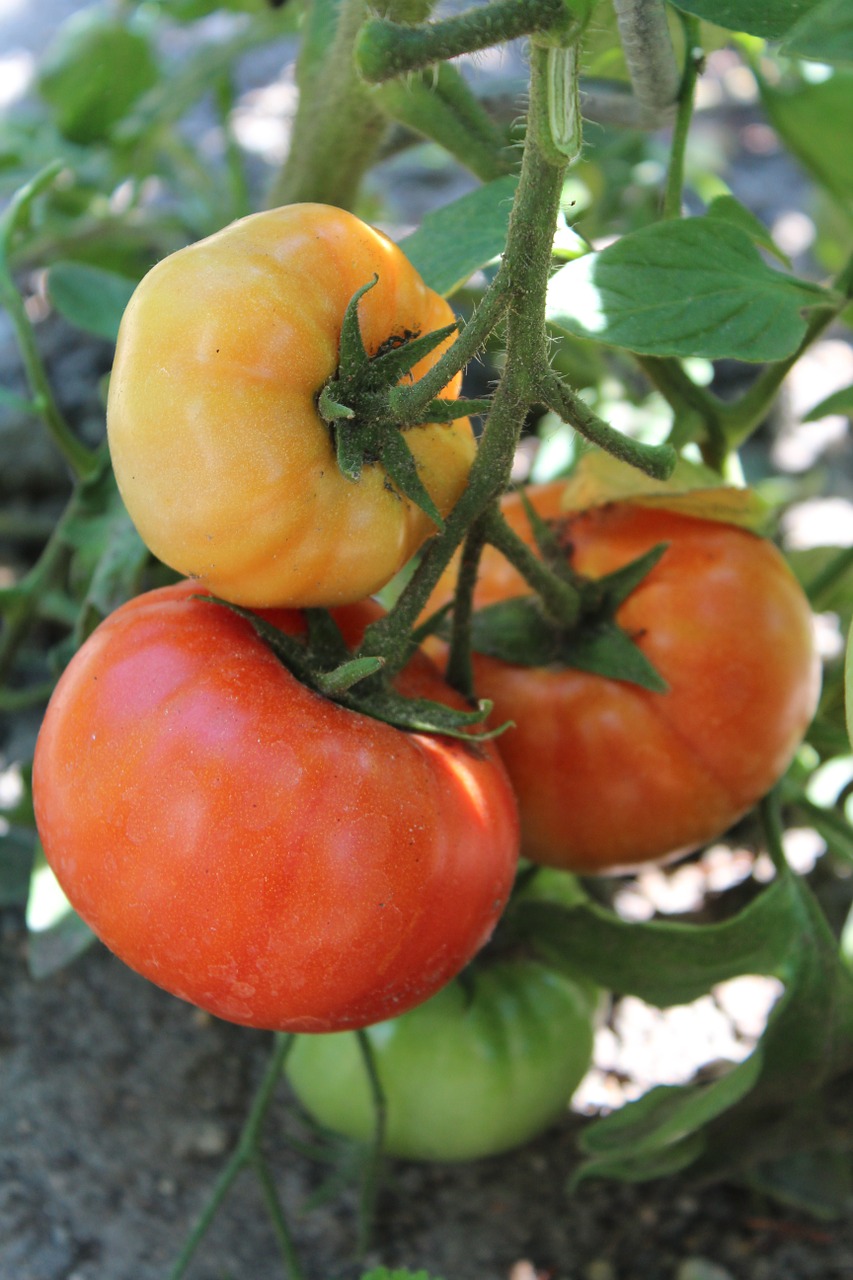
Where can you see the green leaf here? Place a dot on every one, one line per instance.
(89, 297)
(626, 1167)
(669, 1113)
(457, 240)
(770, 18)
(730, 210)
(696, 287)
(815, 1182)
(663, 962)
(824, 33)
(93, 72)
(838, 402)
(813, 121)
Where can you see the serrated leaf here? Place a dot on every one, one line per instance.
(839, 402)
(728, 209)
(770, 18)
(691, 490)
(696, 287)
(90, 298)
(824, 33)
(455, 241)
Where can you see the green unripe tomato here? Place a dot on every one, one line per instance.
(482, 1067)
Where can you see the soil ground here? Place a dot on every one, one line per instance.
(120, 1105)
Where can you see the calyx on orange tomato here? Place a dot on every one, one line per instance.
(609, 774)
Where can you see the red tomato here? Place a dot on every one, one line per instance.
(253, 847)
(609, 775)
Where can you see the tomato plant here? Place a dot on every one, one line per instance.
(610, 775)
(224, 461)
(483, 1066)
(252, 846)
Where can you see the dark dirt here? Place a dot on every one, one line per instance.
(120, 1105)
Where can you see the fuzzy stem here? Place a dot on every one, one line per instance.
(338, 127)
(519, 291)
(675, 174)
(386, 49)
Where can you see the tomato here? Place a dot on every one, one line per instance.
(267, 854)
(221, 455)
(483, 1066)
(609, 775)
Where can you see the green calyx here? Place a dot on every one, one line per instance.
(358, 407)
(570, 620)
(321, 661)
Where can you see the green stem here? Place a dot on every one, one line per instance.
(287, 1248)
(747, 414)
(441, 106)
(23, 604)
(82, 461)
(771, 818)
(386, 49)
(692, 64)
(690, 403)
(338, 126)
(519, 291)
(562, 600)
(244, 1155)
(460, 671)
(655, 460)
(372, 1179)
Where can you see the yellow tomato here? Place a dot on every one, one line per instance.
(225, 464)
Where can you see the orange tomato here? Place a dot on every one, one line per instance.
(609, 775)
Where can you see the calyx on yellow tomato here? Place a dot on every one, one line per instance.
(224, 461)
